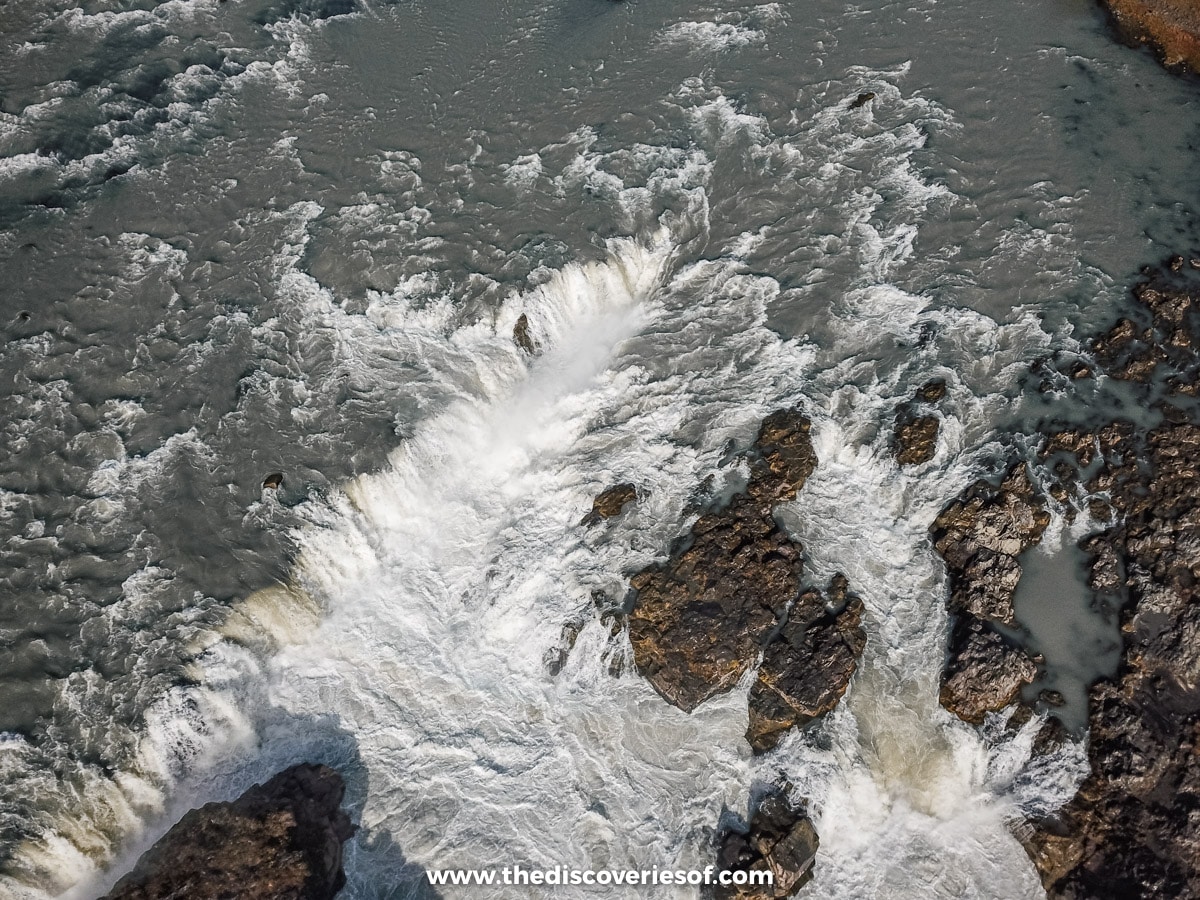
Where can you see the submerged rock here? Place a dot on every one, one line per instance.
(610, 502)
(779, 839)
(281, 840)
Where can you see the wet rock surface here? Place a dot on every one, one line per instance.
(980, 536)
(281, 840)
(985, 672)
(914, 439)
(1171, 27)
(610, 502)
(779, 838)
(702, 620)
(1131, 830)
(806, 669)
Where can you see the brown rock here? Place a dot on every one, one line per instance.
(522, 337)
(610, 502)
(1171, 27)
(780, 839)
(806, 669)
(1130, 831)
(274, 481)
(985, 673)
(281, 840)
(980, 537)
(915, 439)
(862, 99)
(700, 620)
(932, 391)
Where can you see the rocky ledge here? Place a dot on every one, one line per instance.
(281, 840)
(1171, 27)
(980, 536)
(1131, 830)
(731, 593)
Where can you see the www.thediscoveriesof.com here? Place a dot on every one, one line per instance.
(558, 875)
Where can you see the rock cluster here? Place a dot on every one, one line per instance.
(1131, 830)
(980, 536)
(281, 840)
(780, 838)
(731, 592)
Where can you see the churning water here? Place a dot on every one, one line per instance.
(280, 235)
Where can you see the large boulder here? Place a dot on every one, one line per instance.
(806, 669)
(731, 593)
(281, 840)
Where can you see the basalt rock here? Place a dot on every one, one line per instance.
(1171, 27)
(806, 669)
(1131, 830)
(281, 840)
(915, 437)
(521, 336)
(610, 502)
(780, 839)
(980, 536)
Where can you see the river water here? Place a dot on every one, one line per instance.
(285, 235)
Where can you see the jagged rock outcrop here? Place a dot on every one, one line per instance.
(1132, 829)
(702, 620)
(806, 669)
(980, 536)
(985, 672)
(610, 502)
(780, 838)
(1171, 27)
(281, 840)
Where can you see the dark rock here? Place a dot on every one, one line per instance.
(780, 839)
(522, 337)
(1130, 830)
(806, 669)
(932, 391)
(274, 481)
(915, 439)
(700, 621)
(610, 502)
(985, 672)
(862, 99)
(281, 840)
